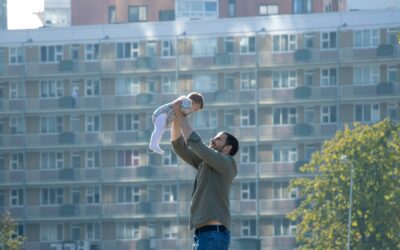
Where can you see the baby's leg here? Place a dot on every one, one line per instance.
(159, 128)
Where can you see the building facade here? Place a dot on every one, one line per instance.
(76, 106)
(123, 11)
(3, 14)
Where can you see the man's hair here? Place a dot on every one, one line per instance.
(231, 140)
(197, 98)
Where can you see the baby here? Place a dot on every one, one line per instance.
(163, 116)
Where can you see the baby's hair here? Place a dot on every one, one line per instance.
(197, 98)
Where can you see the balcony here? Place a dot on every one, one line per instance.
(277, 207)
(284, 95)
(372, 54)
(243, 207)
(371, 90)
(291, 131)
(231, 60)
(308, 56)
(41, 176)
(64, 211)
(277, 169)
(12, 106)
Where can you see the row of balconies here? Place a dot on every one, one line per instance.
(216, 98)
(140, 138)
(236, 243)
(139, 174)
(267, 207)
(190, 62)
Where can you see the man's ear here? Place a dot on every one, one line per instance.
(227, 149)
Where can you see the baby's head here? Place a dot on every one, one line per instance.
(197, 101)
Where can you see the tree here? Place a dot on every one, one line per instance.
(8, 237)
(322, 216)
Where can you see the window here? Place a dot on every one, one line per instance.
(92, 231)
(205, 83)
(16, 161)
(16, 55)
(128, 122)
(366, 38)
(166, 15)
(16, 197)
(128, 194)
(204, 47)
(151, 85)
(51, 124)
(284, 116)
(309, 115)
(51, 89)
(302, 6)
(284, 79)
(392, 35)
(309, 40)
(92, 52)
(366, 75)
(92, 159)
(52, 196)
(128, 86)
(168, 84)
(328, 114)
(308, 78)
(93, 195)
(284, 43)
(112, 16)
(248, 191)
(247, 44)
(128, 158)
(168, 48)
(392, 111)
(309, 150)
(51, 160)
(196, 9)
(248, 154)
(232, 8)
(284, 153)
(92, 87)
(248, 228)
(51, 232)
(284, 227)
(205, 119)
(169, 231)
(328, 77)
(92, 123)
(16, 90)
(229, 44)
(367, 112)
(247, 117)
(170, 193)
(328, 40)
(393, 74)
(169, 158)
(247, 80)
(150, 48)
(51, 53)
(17, 125)
(76, 159)
(128, 231)
(128, 50)
(281, 191)
(137, 14)
(268, 9)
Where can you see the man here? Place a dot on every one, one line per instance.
(216, 169)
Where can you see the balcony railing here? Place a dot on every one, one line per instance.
(272, 132)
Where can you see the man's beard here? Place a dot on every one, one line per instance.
(213, 146)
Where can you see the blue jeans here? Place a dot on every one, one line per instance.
(211, 240)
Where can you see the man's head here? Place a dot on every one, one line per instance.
(225, 143)
(197, 101)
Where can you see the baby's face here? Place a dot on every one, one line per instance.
(195, 107)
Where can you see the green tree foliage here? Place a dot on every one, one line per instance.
(8, 238)
(374, 152)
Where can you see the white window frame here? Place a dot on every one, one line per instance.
(284, 79)
(327, 42)
(366, 75)
(92, 52)
(206, 119)
(51, 57)
(169, 231)
(374, 112)
(16, 55)
(93, 195)
(129, 50)
(248, 154)
(268, 9)
(167, 48)
(142, 15)
(327, 114)
(289, 46)
(168, 84)
(248, 191)
(92, 123)
(128, 230)
(287, 153)
(205, 83)
(92, 87)
(169, 193)
(366, 38)
(309, 115)
(247, 45)
(51, 89)
(93, 230)
(247, 80)
(393, 111)
(51, 124)
(204, 47)
(245, 228)
(92, 159)
(284, 231)
(16, 161)
(16, 197)
(393, 74)
(51, 160)
(51, 232)
(57, 193)
(247, 117)
(17, 125)
(16, 90)
(127, 86)
(169, 158)
(130, 122)
(287, 116)
(329, 77)
(134, 158)
(130, 194)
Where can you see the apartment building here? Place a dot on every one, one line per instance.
(123, 11)
(75, 120)
(3, 14)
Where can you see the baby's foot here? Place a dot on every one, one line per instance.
(156, 149)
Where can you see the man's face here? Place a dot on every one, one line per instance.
(218, 142)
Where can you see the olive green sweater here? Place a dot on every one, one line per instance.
(215, 173)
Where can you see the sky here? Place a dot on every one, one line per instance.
(20, 11)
